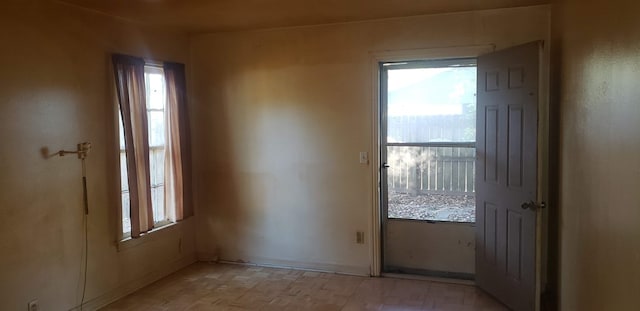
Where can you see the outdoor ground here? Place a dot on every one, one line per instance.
(436, 207)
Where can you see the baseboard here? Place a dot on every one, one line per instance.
(130, 287)
(207, 257)
(290, 264)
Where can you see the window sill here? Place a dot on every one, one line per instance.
(154, 235)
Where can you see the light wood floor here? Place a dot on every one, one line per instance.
(204, 286)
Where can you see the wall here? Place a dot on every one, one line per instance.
(56, 91)
(599, 173)
(280, 117)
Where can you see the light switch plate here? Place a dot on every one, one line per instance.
(364, 157)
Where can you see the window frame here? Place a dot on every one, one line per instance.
(124, 239)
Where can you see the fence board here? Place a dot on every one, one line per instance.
(422, 170)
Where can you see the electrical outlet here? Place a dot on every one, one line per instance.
(364, 157)
(33, 305)
(360, 237)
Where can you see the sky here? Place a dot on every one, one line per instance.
(430, 91)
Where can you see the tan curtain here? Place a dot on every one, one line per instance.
(129, 74)
(178, 145)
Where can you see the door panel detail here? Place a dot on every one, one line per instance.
(491, 238)
(514, 243)
(492, 81)
(491, 144)
(516, 77)
(514, 160)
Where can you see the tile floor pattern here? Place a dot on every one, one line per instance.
(206, 286)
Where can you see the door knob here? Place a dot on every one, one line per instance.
(532, 205)
(385, 165)
(528, 205)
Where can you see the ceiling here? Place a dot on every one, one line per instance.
(198, 16)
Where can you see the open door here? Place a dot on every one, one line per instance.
(506, 178)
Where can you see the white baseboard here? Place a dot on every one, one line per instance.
(132, 286)
(291, 264)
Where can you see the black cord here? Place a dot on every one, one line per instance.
(86, 231)
(86, 254)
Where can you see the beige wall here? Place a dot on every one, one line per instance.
(56, 91)
(280, 116)
(599, 66)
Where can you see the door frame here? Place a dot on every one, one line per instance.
(375, 232)
(427, 258)
(397, 56)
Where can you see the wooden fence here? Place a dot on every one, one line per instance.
(425, 170)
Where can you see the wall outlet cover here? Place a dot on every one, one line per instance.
(33, 305)
(360, 237)
(364, 157)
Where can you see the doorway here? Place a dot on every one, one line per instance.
(427, 148)
(501, 248)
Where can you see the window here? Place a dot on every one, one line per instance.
(430, 133)
(156, 102)
(156, 123)
(153, 135)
